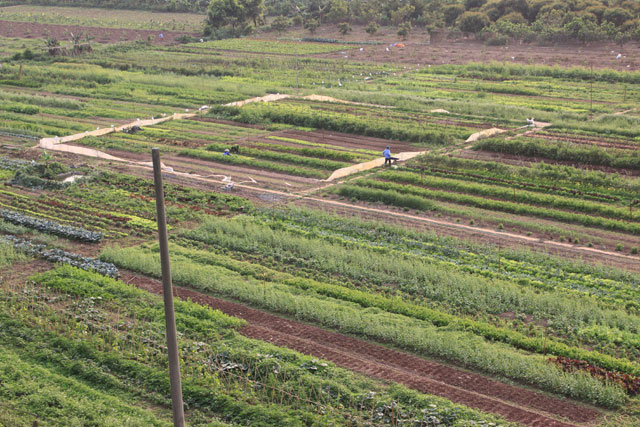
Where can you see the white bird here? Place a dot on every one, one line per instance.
(361, 49)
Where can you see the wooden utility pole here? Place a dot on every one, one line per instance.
(167, 289)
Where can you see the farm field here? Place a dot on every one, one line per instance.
(107, 18)
(490, 277)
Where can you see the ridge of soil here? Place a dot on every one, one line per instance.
(514, 403)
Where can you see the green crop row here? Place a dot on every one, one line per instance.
(542, 177)
(268, 46)
(464, 348)
(294, 159)
(541, 345)
(237, 159)
(490, 204)
(507, 70)
(347, 151)
(563, 151)
(104, 333)
(523, 268)
(502, 193)
(303, 115)
(447, 281)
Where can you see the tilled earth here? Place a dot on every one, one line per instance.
(514, 403)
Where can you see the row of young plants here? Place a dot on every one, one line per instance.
(397, 305)
(225, 376)
(444, 282)
(522, 267)
(460, 184)
(135, 196)
(305, 115)
(328, 147)
(542, 177)
(267, 152)
(238, 159)
(47, 208)
(269, 46)
(508, 70)
(252, 145)
(59, 256)
(553, 92)
(461, 347)
(415, 197)
(562, 151)
(51, 227)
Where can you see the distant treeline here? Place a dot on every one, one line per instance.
(496, 21)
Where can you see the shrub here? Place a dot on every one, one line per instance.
(372, 28)
(344, 28)
(473, 22)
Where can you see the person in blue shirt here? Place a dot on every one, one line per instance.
(226, 152)
(387, 156)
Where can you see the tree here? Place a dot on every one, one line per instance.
(402, 14)
(404, 30)
(223, 13)
(451, 13)
(311, 25)
(234, 14)
(372, 28)
(338, 11)
(280, 24)
(617, 15)
(584, 30)
(473, 22)
(254, 11)
(344, 28)
(514, 17)
(472, 4)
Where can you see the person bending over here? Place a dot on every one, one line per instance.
(387, 156)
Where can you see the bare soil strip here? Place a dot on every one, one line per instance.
(512, 402)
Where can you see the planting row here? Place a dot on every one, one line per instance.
(425, 271)
(461, 347)
(109, 335)
(421, 198)
(563, 151)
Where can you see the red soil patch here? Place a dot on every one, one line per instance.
(383, 363)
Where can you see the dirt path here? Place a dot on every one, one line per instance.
(57, 144)
(512, 402)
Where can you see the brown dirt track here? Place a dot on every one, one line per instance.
(514, 403)
(32, 30)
